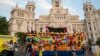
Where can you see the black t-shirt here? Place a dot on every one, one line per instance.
(83, 49)
(29, 48)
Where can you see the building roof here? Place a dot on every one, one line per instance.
(30, 3)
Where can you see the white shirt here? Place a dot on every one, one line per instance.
(94, 49)
(11, 47)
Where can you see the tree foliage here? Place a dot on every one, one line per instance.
(4, 25)
(98, 42)
(21, 37)
(19, 34)
(89, 42)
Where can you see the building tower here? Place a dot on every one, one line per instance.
(90, 20)
(56, 3)
(30, 7)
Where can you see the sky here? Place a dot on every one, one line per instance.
(75, 7)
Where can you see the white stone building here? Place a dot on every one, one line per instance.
(22, 20)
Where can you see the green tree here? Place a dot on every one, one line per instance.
(98, 42)
(89, 42)
(4, 25)
(21, 37)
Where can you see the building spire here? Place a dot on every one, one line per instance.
(30, 2)
(88, 1)
(16, 5)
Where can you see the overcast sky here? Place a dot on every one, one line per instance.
(43, 6)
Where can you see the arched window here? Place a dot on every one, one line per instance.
(57, 3)
(29, 8)
(89, 24)
(32, 9)
(86, 9)
(92, 37)
(94, 26)
(90, 8)
(28, 26)
(90, 28)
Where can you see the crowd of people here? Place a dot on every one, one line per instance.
(11, 48)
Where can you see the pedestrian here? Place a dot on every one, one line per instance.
(16, 46)
(11, 48)
(40, 51)
(84, 49)
(55, 50)
(94, 50)
(29, 49)
(33, 49)
(73, 51)
(88, 50)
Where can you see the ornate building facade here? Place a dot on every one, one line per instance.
(22, 20)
